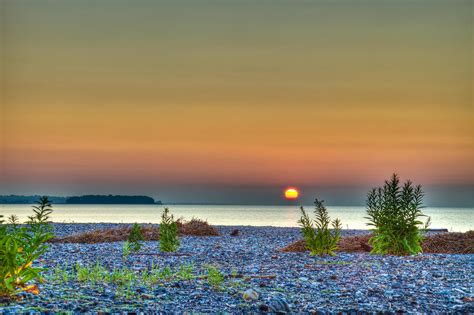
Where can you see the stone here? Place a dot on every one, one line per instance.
(279, 305)
(250, 295)
(263, 308)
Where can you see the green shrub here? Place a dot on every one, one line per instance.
(135, 238)
(20, 246)
(320, 240)
(169, 241)
(395, 213)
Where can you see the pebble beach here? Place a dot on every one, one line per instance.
(257, 278)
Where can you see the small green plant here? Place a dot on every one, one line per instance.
(122, 277)
(135, 238)
(151, 277)
(165, 274)
(320, 240)
(97, 274)
(82, 273)
(185, 272)
(395, 212)
(61, 274)
(169, 241)
(126, 249)
(214, 276)
(20, 247)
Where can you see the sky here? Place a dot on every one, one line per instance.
(226, 101)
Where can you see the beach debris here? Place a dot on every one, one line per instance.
(195, 227)
(437, 243)
(449, 243)
(235, 232)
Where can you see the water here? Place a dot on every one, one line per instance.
(454, 219)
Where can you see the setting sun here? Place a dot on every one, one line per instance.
(291, 193)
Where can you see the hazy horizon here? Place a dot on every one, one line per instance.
(457, 196)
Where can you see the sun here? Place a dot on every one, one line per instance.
(291, 193)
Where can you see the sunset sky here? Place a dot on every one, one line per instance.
(232, 101)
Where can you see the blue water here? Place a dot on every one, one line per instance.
(454, 219)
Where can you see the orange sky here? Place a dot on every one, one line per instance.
(235, 93)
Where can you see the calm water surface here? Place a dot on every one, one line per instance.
(455, 219)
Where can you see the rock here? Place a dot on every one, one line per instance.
(396, 285)
(279, 305)
(234, 232)
(263, 308)
(250, 295)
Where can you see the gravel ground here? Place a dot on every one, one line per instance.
(251, 263)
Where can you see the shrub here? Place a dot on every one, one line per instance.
(135, 238)
(169, 241)
(20, 246)
(395, 213)
(320, 240)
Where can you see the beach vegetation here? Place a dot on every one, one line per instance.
(20, 246)
(61, 274)
(135, 238)
(394, 212)
(215, 277)
(169, 241)
(124, 277)
(97, 273)
(185, 272)
(126, 249)
(320, 239)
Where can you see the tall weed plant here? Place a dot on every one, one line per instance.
(320, 240)
(394, 212)
(169, 241)
(135, 238)
(20, 246)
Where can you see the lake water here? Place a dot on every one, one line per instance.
(454, 219)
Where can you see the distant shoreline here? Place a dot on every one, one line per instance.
(84, 199)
